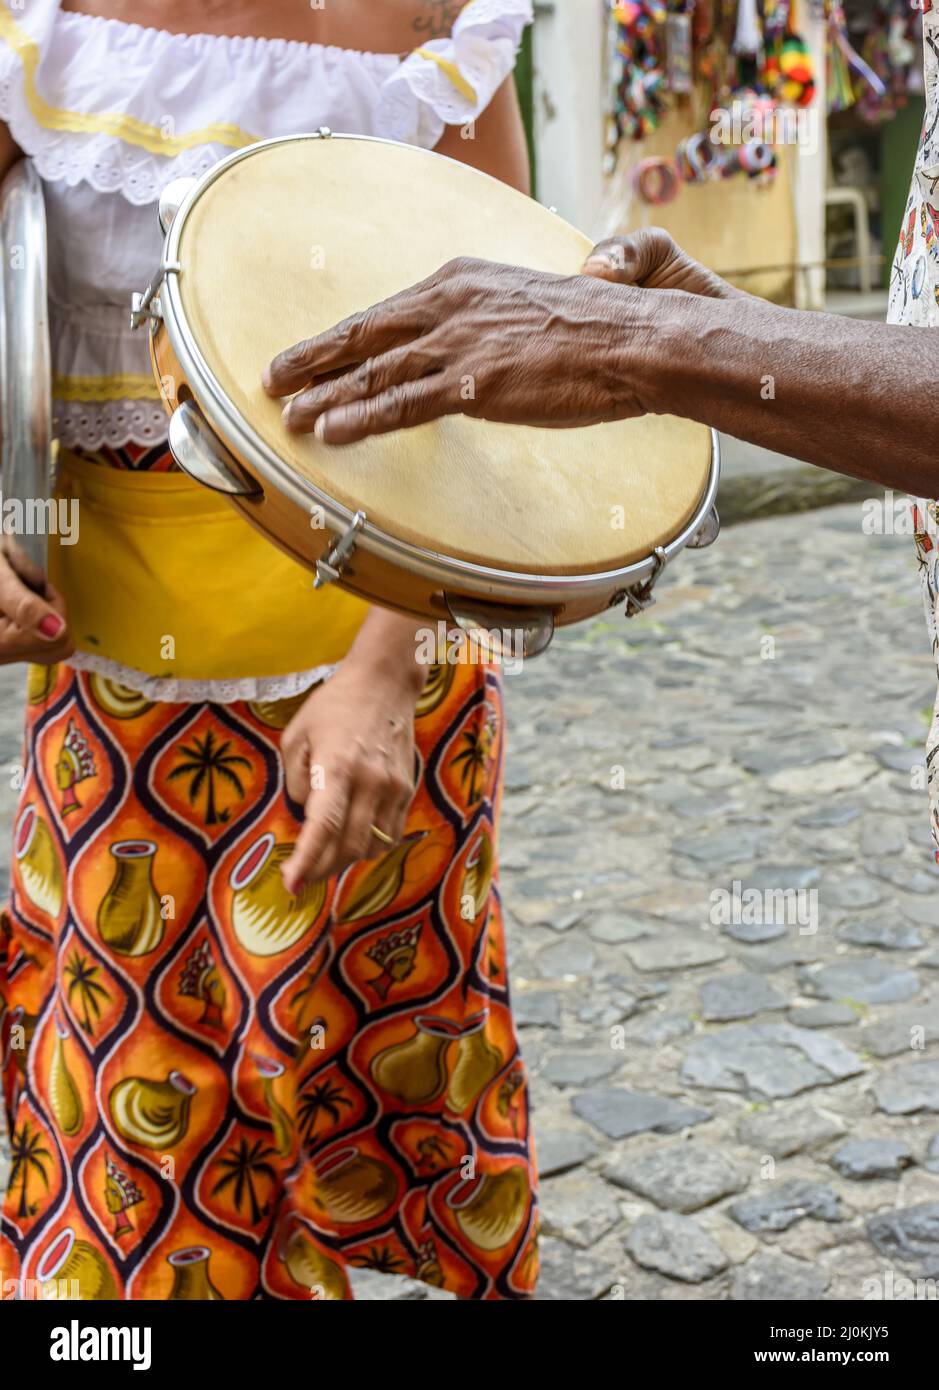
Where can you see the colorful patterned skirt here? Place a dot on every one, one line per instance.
(217, 1090)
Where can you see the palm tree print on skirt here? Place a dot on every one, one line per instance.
(217, 1090)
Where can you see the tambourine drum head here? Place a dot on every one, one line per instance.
(293, 238)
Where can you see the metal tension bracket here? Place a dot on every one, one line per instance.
(640, 596)
(329, 569)
(147, 305)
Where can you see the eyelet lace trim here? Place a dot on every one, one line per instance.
(104, 162)
(87, 425)
(196, 692)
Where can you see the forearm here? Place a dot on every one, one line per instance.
(386, 644)
(852, 396)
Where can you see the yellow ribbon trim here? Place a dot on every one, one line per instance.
(148, 137)
(131, 387)
(465, 88)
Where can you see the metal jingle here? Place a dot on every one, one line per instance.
(529, 630)
(708, 532)
(200, 453)
(172, 197)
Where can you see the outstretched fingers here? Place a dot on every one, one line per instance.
(374, 377)
(398, 320)
(398, 408)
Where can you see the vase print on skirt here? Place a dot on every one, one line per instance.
(219, 1090)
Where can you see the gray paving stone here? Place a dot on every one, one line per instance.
(909, 1235)
(890, 936)
(898, 759)
(682, 1177)
(770, 1276)
(881, 836)
(822, 1016)
(563, 921)
(676, 1246)
(861, 1159)
(770, 959)
(635, 987)
(867, 980)
(674, 952)
(824, 779)
(562, 958)
(519, 775)
(908, 1088)
(830, 815)
(614, 929)
(911, 1030)
(782, 1204)
(767, 1060)
(789, 1129)
(559, 1150)
(728, 997)
(572, 1275)
(659, 1029)
(905, 876)
(577, 1068)
(727, 847)
(851, 893)
(924, 912)
(754, 933)
(604, 1012)
(579, 1207)
(618, 1112)
(776, 878)
(537, 1008)
(931, 1159)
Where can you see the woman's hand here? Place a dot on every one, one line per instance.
(32, 624)
(349, 753)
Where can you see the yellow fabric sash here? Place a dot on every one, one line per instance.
(167, 578)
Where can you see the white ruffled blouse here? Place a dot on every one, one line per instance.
(111, 112)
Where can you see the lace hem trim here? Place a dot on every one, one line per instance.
(197, 692)
(89, 425)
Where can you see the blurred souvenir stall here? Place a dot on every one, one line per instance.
(773, 138)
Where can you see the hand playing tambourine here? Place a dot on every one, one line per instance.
(498, 342)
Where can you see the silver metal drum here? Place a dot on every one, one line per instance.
(25, 374)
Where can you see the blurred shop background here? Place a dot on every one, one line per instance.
(773, 138)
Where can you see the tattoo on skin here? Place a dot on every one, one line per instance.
(441, 19)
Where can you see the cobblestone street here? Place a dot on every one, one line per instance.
(745, 1108)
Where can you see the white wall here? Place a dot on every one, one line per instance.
(569, 43)
(811, 175)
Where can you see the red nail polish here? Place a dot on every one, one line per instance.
(51, 625)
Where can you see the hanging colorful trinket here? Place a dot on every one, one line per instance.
(844, 62)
